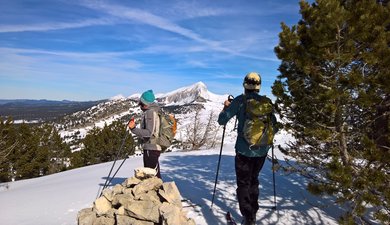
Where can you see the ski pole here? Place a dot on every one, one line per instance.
(113, 165)
(219, 161)
(273, 176)
(117, 170)
(230, 99)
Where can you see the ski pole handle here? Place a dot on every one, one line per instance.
(227, 102)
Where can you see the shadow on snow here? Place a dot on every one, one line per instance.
(194, 175)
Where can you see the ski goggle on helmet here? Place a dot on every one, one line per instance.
(252, 81)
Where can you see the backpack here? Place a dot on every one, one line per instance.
(167, 129)
(258, 130)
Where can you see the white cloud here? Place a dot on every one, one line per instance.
(197, 63)
(164, 24)
(96, 57)
(147, 18)
(118, 13)
(196, 9)
(55, 25)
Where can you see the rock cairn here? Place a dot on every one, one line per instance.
(141, 200)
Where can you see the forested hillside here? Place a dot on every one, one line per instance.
(41, 110)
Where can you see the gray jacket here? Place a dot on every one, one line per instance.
(149, 128)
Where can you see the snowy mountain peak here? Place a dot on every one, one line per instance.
(194, 93)
(117, 97)
(199, 85)
(134, 96)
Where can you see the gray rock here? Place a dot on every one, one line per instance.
(147, 185)
(171, 194)
(128, 191)
(144, 173)
(102, 206)
(137, 202)
(172, 214)
(131, 182)
(125, 220)
(149, 196)
(143, 210)
(121, 211)
(122, 199)
(104, 221)
(117, 189)
(108, 193)
(111, 213)
(86, 217)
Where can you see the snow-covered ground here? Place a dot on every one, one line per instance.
(56, 199)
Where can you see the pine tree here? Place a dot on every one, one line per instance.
(28, 151)
(29, 161)
(58, 152)
(102, 145)
(7, 148)
(333, 95)
(89, 154)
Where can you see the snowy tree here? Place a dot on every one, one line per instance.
(199, 133)
(333, 95)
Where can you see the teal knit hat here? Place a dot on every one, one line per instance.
(147, 97)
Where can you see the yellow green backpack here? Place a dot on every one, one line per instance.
(258, 130)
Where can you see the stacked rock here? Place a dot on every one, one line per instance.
(141, 200)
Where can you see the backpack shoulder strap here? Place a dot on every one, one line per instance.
(243, 104)
(156, 121)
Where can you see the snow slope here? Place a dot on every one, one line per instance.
(56, 199)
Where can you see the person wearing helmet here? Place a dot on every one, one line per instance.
(249, 159)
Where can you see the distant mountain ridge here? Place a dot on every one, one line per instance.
(31, 101)
(42, 101)
(41, 110)
(49, 110)
(183, 103)
(178, 101)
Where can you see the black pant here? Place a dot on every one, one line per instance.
(247, 173)
(151, 160)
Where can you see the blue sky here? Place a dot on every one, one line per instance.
(90, 50)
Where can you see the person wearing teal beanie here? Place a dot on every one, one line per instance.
(147, 97)
(147, 132)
